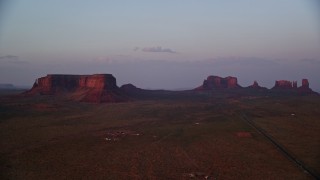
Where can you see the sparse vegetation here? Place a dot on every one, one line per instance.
(199, 135)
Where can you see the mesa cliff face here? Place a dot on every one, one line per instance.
(304, 88)
(284, 84)
(288, 85)
(281, 86)
(88, 88)
(103, 88)
(216, 82)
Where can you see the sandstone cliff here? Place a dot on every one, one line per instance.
(88, 88)
(283, 84)
(292, 86)
(304, 88)
(216, 82)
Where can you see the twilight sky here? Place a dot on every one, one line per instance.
(161, 44)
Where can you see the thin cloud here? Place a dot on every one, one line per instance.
(136, 49)
(12, 59)
(312, 61)
(158, 49)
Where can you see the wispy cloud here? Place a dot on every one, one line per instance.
(312, 61)
(158, 49)
(12, 59)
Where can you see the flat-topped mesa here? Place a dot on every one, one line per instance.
(216, 82)
(90, 88)
(53, 83)
(283, 84)
(98, 81)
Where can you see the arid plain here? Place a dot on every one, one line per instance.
(192, 134)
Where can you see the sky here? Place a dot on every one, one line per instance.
(168, 44)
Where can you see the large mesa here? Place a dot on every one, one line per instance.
(216, 82)
(88, 88)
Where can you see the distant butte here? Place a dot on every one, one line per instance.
(88, 88)
(281, 86)
(102, 88)
(130, 88)
(304, 89)
(216, 82)
(255, 85)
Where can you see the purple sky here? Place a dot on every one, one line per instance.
(161, 44)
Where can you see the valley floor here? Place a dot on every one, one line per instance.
(199, 136)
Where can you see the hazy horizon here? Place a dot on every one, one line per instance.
(161, 44)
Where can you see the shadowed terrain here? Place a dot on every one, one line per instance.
(159, 135)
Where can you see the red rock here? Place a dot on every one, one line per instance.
(294, 84)
(216, 82)
(232, 82)
(305, 83)
(283, 84)
(305, 89)
(89, 88)
(288, 85)
(255, 85)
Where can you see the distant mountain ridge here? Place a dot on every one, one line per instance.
(7, 86)
(216, 83)
(103, 88)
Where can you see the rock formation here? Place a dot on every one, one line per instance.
(304, 88)
(129, 88)
(283, 84)
(216, 82)
(88, 88)
(103, 88)
(292, 86)
(256, 86)
(305, 83)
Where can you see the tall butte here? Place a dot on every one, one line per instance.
(89, 88)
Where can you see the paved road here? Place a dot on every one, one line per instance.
(281, 148)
